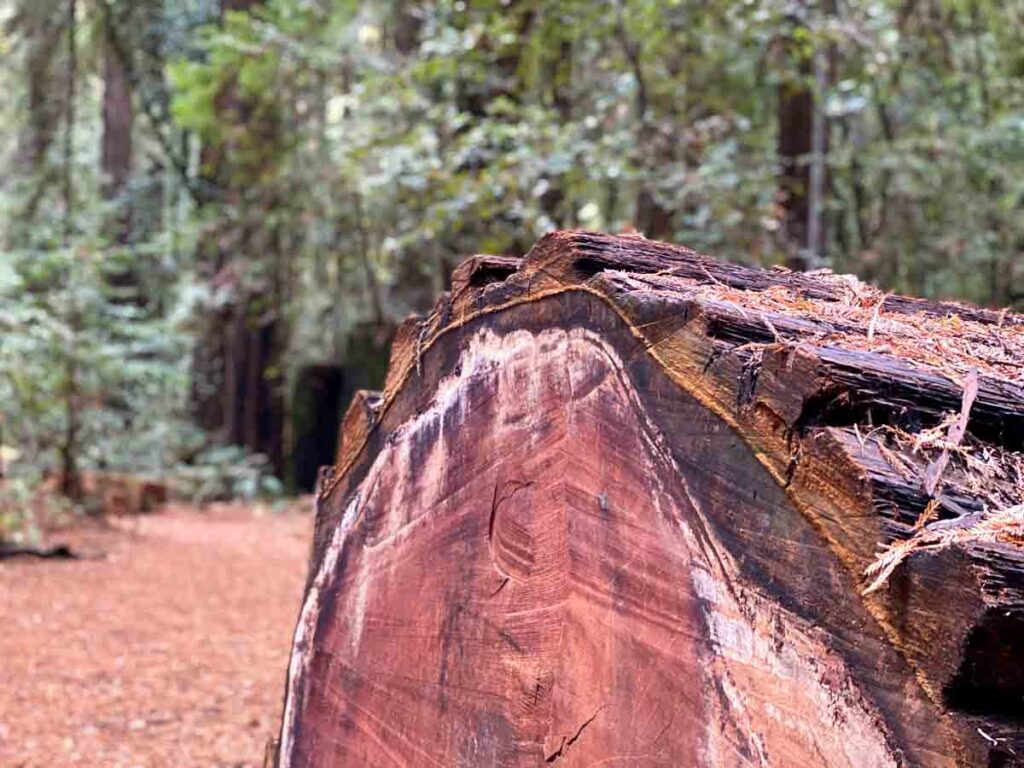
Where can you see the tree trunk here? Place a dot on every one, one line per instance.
(116, 154)
(408, 24)
(71, 484)
(650, 217)
(67, 161)
(43, 109)
(816, 176)
(237, 395)
(616, 501)
(43, 31)
(315, 416)
(796, 148)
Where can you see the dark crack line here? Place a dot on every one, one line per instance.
(665, 729)
(568, 742)
(510, 640)
(504, 583)
(496, 501)
(517, 485)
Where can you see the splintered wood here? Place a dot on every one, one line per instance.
(616, 503)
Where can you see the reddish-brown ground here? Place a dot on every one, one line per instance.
(170, 650)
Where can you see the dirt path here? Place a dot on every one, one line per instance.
(169, 651)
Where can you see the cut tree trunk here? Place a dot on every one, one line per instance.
(615, 506)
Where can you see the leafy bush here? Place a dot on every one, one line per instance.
(226, 472)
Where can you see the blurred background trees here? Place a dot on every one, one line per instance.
(214, 211)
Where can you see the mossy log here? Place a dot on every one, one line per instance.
(615, 505)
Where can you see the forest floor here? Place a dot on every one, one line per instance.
(165, 645)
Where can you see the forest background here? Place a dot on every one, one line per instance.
(213, 212)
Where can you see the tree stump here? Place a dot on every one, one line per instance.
(615, 505)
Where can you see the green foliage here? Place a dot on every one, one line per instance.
(506, 120)
(327, 164)
(226, 472)
(68, 337)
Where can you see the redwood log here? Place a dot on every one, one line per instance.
(615, 504)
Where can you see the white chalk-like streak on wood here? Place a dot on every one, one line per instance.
(854, 727)
(302, 643)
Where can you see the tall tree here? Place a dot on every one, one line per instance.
(118, 118)
(41, 28)
(71, 483)
(239, 388)
(796, 112)
(651, 217)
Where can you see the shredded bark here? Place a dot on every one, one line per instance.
(947, 344)
(1005, 526)
(933, 475)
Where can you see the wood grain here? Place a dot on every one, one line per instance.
(591, 524)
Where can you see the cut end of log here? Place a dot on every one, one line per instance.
(617, 501)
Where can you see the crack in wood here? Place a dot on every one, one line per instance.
(517, 485)
(570, 740)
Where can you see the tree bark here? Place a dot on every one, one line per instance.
(71, 484)
(116, 150)
(650, 217)
(408, 21)
(67, 164)
(795, 110)
(616, 501)
(796, 146)
(803, 141)
(237, 393)
(43, 28)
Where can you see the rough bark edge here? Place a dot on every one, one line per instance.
(843, 507)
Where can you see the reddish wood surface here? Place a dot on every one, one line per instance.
(580, 526)
(532, 584)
